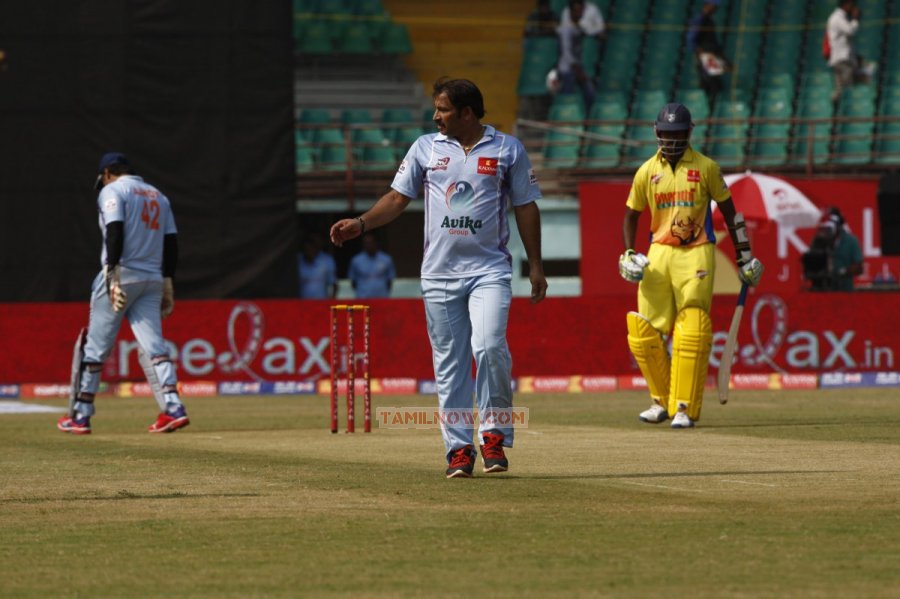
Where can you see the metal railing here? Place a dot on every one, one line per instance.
(361, 161)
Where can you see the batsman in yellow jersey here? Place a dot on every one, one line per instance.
(675, 278)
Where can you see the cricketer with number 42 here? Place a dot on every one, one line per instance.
(730, 344)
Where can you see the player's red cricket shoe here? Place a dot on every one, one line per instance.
(492, 453)
(74, 426)
(462, 463)
(169, 422)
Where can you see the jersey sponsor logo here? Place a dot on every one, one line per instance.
(464, 225)
(487, 166)
(656, 178)
(673, 199)
(693, 176)
(110, 204)
(460, 196)
(532, 178)
(402, 168)
(441, 164)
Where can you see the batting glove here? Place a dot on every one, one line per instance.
(167, 303)
(117, 296)
(750, 271)
(632, 265)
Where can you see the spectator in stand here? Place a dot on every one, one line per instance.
(590, 19)
(317, 270)
(846, 65)
(542, 21)
(371, 271)
(569, 69)
(708, 56)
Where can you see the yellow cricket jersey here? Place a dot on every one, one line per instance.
(680, 212)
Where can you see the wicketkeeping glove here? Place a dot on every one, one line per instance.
(632, 265)
(750, 271)
(117, 295)
(167, 303)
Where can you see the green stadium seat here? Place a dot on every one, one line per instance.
(696, 101)
(539, 55)
(336, 8)
(316, 37)
(310, 119)
(394, 120)
(853, 139)
(395, 39)
(728, 138)
(567, 107)
(355, 38)
(305, 157)
(769, 140)
(562, 148)
(605, 118)
(357, 116)
(378, 158)
(370, 8)
(816, 107)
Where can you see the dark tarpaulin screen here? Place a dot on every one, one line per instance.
(198, 94)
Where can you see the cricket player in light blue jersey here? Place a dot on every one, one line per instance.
(138, 259)
(469, 173)
(371, 271)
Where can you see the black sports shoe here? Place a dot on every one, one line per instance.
(492, 453)
(462, 462)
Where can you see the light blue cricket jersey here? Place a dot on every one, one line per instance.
(466, 229)
(317, 277)
(371, 275)
(147, 217)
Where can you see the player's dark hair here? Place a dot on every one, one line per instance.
(461, 93)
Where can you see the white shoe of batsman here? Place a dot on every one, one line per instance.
(681, 419)
(655, 414)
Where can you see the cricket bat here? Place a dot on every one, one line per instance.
(730, 344)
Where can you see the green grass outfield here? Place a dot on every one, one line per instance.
(777, 494)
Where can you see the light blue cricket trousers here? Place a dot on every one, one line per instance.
(468, 317)
(142, 311)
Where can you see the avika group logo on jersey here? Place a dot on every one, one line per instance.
(460, 198)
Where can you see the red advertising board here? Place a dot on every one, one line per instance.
(288, 340)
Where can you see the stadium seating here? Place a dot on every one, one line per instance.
(728, 136)
(853, 139)
(607, 117)
(562, 148)
(767, 138)
(888, 146)
(539, 55)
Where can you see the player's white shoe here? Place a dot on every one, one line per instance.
(654, 414)
(681, 419)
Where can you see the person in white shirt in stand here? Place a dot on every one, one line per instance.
(845, 64)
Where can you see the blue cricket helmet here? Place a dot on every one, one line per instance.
(674, 117)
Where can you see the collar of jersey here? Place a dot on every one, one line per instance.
(489, 132)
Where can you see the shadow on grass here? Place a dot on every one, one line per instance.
(126, 495)
(655, 475)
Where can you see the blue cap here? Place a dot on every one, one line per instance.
(674, 117)
(107, 160)
(111, 158)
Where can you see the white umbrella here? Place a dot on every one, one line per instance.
(763, 199)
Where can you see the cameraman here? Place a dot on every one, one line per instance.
(834, 257)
